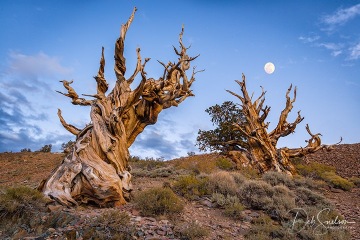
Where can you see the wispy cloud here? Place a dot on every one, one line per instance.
(336, 49)
(165, 139)
(24, 82)
(355, 52)
(39, 64)
(334, 37)
(341, 16)
(309, 39)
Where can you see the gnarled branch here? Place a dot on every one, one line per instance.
(73, 95)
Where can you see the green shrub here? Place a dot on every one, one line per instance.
(306, 197)
(307, 182)
(45, 148)
(154, 173)
(256, 194)
(326, 173)
(277, 178)
(224, 164)
(238, 178)
(20, 208)
(192, 231)
(191, 187)
(222, 182)
(25, 150)
(159, 201)
(264, 228)
(283, 201)
(314, 169)
(221, 200)
(355, 180)
(18, 201)
(276, 201)
(147, 163)
(234, 210)
(337, 181)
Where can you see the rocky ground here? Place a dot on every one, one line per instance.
(30, 168)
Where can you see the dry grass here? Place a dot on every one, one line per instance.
(206, 163)
(325, 173)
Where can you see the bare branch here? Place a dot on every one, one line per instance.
(120, 67)
(69, 127)
(283, 128)
(138, 67)
(73, 95)
(102, 85)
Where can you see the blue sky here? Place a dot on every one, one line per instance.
(314, 45)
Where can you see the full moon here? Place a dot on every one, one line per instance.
(269, 68)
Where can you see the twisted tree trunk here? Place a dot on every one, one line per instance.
(97, 170)
(262, 152)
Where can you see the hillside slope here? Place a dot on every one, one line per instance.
(30, 168)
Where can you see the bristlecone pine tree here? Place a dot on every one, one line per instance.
(261, 152)
(96, 171)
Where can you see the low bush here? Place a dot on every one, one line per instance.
(25, 150)
(197, 164)
(283, 200)
(45, 148)
(192, 231)
(337, 181)
(222, 182)
(158, 201)
(234, 210)
(306, 197)
(191, 187)
(307, 182)
(260, 195)
(224, 164)
(355, 180)
(314, 169)
(277, 178)
(264, 228)
(16, 202)
(154, 173)
(256, 194)
(326, 173)
(111, 224)
(21, 209)
(147, 163)
(220, 200)
(238, 178)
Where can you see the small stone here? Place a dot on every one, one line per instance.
(254, 214)
(160, 232)
(247, 211)
(165, 222)
(207, 203)
(54, 208)
(336, 190)
(244, 226)
(151, 219)
(52, 230)
(140, 233)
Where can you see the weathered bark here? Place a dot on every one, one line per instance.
(262, 153)
(97, 169)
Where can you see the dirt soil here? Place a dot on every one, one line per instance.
(30, 168)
